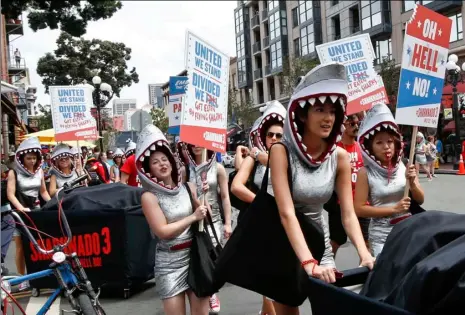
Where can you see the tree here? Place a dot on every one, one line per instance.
(293, 68)
(390, 73)
(70, 16)
(45, 117)
(78, 59)
(159, 119)
(243, 111)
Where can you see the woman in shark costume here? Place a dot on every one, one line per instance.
(115, 168)
(168, 210)
(313, 125)
(24, 185)
(382, 181)
(63, 169)
(241, 151)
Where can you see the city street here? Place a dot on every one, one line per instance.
(444, 193)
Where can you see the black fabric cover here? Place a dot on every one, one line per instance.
(422, 266)
(259, 256)
(235, 201)
(110, 235)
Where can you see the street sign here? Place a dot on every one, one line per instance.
(424, 59)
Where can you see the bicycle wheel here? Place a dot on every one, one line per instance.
(86, 305)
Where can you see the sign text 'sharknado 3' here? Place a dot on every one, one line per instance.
(217, 139)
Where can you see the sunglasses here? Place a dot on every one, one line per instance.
(353, 124)
(272, 134)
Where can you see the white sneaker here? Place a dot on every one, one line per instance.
(214, 304)
(23, 286)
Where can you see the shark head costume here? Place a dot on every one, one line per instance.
(75, 152)
(31, 145)
(118, 154)
(273, 113)
(323, 83)
(253, 132)
(379, 119)
(130, 148)
(150, 140)
(211, 156)
(61, 151)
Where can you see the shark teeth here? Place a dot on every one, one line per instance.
(148, 175)
(267, 117)
(378, 128)
(153, 148)
(295, 125)
(312, 100)
(338, 138)
(334, 147)
(367, 136)
(280, 118)
(304, 146)
(372, 132)
(293, 115)
(385, 126)
(341, 101)
(160, 143)
(333, 98)
(142, 158)
(299, 137)
(273, 115)
(322, 99)
(168, 186)
(302, 103)
(147, 153)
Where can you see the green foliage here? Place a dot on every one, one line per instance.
(45, 117)
(78, 59)
(70, 16)
(160, 119)
(244, 112)
(391, 76)
(293, 68)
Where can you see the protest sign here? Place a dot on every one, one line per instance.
(178, 86)
(356, 53)
(424, 59)
(204, 116)
(71, 115)
(174, 114)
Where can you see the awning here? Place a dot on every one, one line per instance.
(448, 88)
(8, 88)
(9, 108)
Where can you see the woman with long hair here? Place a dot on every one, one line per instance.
(268, 133)
(313, 126)
(167, 207)
(118, 162)
(420, 156)
(63, 169)
(381, 182)
(25, 186)
(218, 192)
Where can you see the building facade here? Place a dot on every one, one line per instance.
(156, 95)
(272, 32)
(127, 118)
(120, 106)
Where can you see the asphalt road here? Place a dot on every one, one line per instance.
(443, 193)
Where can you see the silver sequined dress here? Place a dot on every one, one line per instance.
(29, 185)
(212, 199)
(312, 188)
(171, 267)
(61, 180)
(383, 194)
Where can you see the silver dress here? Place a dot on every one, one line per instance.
(172, 266)
(29, 185)
(62, 180)
(212, 199)
(383, 194)
(312, 188)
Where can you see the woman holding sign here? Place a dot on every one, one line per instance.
(167, 207)
(217, 193)
(381, 182)
(317, 167)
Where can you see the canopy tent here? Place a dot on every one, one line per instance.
(48, 137)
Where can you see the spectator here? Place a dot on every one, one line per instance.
(17, 58)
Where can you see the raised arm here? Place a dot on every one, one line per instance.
(11, 191)
(224, 192)
(238, 187)
(53, 185)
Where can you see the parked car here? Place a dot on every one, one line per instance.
(228, 159)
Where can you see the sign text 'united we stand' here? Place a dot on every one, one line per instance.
(356, 53)
(204, 116)
(71, 115)
(424, 59)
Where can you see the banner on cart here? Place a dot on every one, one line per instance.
(424, 59)
(72, 119)
(356, 53)
(204, 116)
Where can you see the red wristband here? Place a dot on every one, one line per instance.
(306, 262)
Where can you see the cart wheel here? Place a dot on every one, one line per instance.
(64, 294)
(126, 294)
(35, 292)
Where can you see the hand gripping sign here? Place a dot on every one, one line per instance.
(204, 116)
(424, 59)
(356, 53)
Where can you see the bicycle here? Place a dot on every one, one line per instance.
(67, 269)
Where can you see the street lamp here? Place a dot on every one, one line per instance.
(455, 75)
(102, 94)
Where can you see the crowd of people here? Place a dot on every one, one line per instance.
(350, 166)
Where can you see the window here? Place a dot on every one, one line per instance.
(275, 25)
(336, 24)
(355, 19)
(371, 14)
(276, 57)
(297, 47)
(233, 79)
(383, 51)
(334, 2)
(239, 21)
(305, 10)
(240, 48)
(457, 28)
(241, 71)
(307, 40)
(295, 17)
(272, 4)
(410, 4)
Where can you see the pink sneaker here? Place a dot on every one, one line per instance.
(214, 304)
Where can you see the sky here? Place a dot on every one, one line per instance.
(154, 30)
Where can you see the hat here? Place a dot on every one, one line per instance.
(11, 154)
